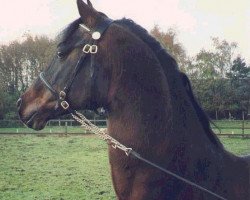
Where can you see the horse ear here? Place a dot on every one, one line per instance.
(90, 4)
(88, 14)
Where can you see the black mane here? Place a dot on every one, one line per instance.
(147, 38)
(164, 58)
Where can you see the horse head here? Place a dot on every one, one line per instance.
(78, 76)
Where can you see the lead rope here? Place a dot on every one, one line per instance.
(87, 124)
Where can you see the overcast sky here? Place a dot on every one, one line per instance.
(195, 20)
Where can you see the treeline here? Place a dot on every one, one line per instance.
(20, 63)
(220, 80)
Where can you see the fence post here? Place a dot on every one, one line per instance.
(243, 124)
(50, 128)
(66, 127)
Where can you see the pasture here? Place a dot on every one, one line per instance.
(232, 127)
(63, 167)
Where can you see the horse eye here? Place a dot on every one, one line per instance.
(60, 54)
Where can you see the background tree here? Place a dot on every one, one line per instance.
(169, 40)
(211, 74)
(239, 76)
(213, 63)
(224, 54)
(20, 63)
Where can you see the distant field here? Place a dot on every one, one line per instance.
(52, 129)
(59, 167)
(233, 127)
(224, 126)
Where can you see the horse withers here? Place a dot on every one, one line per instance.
(117, 65)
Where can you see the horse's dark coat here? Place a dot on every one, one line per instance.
(151, 109)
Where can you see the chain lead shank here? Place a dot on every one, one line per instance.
(102, 134)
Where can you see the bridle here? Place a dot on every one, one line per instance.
(92, 48)
(89, 48)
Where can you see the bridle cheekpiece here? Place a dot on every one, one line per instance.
(89, 48)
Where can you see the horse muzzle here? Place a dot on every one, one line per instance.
(32, 114)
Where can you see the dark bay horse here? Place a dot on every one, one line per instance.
(117, 65)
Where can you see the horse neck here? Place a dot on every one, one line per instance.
(140, 109)
(148, 101)
(146, 112)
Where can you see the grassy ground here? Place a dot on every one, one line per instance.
(237, 146)
(54, 168)
(231, 127)
(63, 167)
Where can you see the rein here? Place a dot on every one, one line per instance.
(92, 48)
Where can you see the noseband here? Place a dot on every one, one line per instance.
(90, 48)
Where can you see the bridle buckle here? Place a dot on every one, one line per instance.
(90, 48)
(65, 105)
(86, 48)
(62, 95)
(94, 49)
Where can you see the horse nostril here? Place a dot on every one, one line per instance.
(19, 102)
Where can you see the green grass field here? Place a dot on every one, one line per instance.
(231, 127)
(54, 167)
